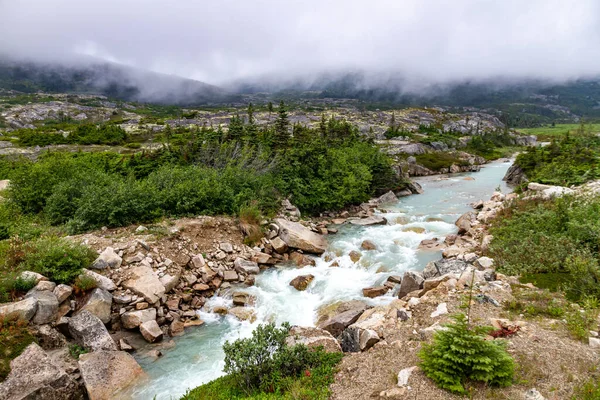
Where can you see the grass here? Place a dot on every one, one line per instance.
(547, 133)
(14, 338)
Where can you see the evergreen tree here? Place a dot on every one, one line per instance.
(236, 129)
(251, 129)
(323, 125)
(282, 124)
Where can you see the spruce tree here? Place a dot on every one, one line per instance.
(236, 129)
(282, 124)
(251, 129)
(460, 353)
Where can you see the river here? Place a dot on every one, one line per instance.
(197, 356)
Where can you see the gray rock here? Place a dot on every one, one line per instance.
(533, 394)
(133, 319)
(245, 266)
(45, 285)
(48, 337)
(415, 188)
(229, 276)
(47, 306)
(27, 275)
(444, 266)
(226, 247)
(355, 339)
(151, 331)
(410, 281)
(62, 292)
(101, 281)
(90, 332)
(34, 376)
(99, 303)
(464, 222)
(105, 373)
(515, 175)
(107, 259)
(387, 198)
(297, 236)
(22, 310)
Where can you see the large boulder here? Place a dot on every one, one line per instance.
(99, 303)
(301, 282)
(313, 338)
(515, 175)
(34, 376)
(246, 266)
(22, 310)
(338, 323)
(133, 319)
(47, 306)
(411, 281)
(107, 372)
(107, 259)
(90, 332)
(144, 282)
(444, 266)
(298, 236)
(356, 339)
(279, 245)
(101, 281)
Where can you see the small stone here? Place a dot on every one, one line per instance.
(441, 309)
(376, 291)
(368, 245)
(151, 331)
(230, 276)
(355, 256)
(301, 282)
(62, 292)
(404, 375)
(594, 342)
(533, 394)
(107, 259)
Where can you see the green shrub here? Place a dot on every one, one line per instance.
(460, 354)
(84, 283)
(76, 350)
(438, 160)
(58, 259)
(263, 367)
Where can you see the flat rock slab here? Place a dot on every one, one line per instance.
(144, 282)
(102, 281)
(298, 236)
(107, 372)
(34, 376)
(373, 220)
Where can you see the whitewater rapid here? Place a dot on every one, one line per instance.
(197, 356)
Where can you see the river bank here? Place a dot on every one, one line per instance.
(197, 356)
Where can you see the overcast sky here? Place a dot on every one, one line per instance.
(218, 41)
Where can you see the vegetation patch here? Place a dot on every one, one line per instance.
(559, 236)
(14, 338)
(264, 367)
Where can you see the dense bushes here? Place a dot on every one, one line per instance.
(461, 353)
(108, 134)
(572, 160)
(319, 169)
(264, 367)
(438, 160)
(559, 236)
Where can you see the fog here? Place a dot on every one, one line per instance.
(225, 42)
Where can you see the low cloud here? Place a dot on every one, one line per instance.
(225, 41)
